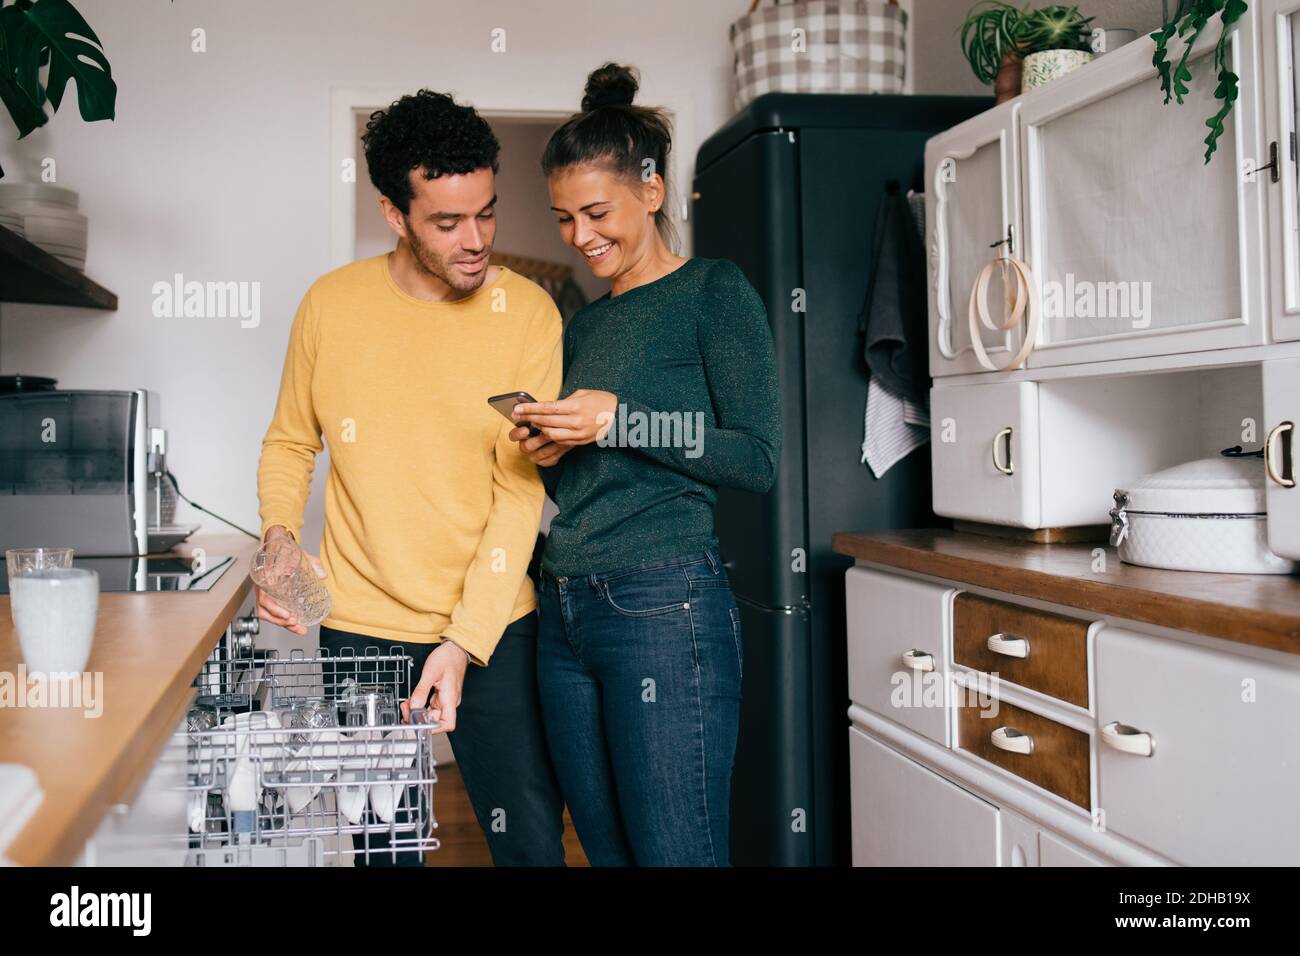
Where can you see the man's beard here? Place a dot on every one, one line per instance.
(433, 264)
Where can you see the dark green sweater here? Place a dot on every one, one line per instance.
(690, 358)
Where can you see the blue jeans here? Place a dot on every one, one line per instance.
(639, 671)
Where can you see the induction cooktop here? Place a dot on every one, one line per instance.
(164, 572)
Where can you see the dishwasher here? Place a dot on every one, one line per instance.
(305, 760)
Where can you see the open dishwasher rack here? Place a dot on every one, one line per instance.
(302, 761)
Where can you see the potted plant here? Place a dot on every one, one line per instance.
(1001, 40)
(50, 33)
(1054, 40)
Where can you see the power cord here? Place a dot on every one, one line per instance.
(198, 507)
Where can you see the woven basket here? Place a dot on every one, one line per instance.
(846, 46)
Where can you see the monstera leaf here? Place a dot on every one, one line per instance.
(34, 34)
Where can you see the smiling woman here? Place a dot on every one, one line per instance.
(634, 601)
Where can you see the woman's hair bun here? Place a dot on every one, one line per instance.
(609, 85)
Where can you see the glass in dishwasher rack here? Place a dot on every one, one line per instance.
(302, 761)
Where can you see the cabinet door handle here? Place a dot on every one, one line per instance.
(1126, 739)
(1008, 645)
(1010, 467)
(1012, 741)
(1271, 465)
(918, 660)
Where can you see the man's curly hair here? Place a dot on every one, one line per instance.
(426, 131)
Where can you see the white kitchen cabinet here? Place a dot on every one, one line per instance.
(1025, 843)
(973, 203)
(1281, 418)
(906, 815)
(899, 637)
(1051, 454)
(1017, 840)
(1192, 762)
(1139, 247)
(1280, 26)
(151, 828)
(984, 443)
(1055, 851)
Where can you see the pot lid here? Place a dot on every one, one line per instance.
(1223, 485)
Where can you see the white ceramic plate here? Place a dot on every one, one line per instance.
(41, 192)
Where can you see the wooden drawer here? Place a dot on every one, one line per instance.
(1058, 762)
(1057, 659)
(898, 649)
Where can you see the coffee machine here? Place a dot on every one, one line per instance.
(85, 469)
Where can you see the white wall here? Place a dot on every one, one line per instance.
(218, 167)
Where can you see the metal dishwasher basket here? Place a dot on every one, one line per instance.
(269, 785)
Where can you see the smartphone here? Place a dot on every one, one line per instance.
(506, 403)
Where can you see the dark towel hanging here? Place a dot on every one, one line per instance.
(894, 314)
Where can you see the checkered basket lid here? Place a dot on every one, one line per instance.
(820, 46)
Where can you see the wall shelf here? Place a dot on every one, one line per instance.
(30, 274)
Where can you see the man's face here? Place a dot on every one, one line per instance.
(451, 226)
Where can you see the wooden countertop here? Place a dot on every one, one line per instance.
(149, 646)
(1259, 609)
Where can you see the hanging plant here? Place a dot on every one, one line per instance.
(1188, 23)
(51, 33)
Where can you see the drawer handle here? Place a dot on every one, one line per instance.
(1010, 467)
(1275, 473)
(1008, 645)
(1012, 741)
(1126, 739)
(918, 660)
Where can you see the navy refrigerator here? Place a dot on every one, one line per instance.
(789, 190)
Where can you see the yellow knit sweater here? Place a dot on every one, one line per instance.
(431, 512)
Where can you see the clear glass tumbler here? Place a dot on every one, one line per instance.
(25, 560)
(282, 570)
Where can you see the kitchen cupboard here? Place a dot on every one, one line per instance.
(1050, 454)
(1281, 494)
(148, 829)
(898, 658)
(973, 202)
(1280, 26)
(1282, 455)
(1146, 260)
(1129, 741)
(906, 815)
(1138, 245)
(1199, 760)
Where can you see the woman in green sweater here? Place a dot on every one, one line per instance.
(669, 392)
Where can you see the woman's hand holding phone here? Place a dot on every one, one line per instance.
(582, 418)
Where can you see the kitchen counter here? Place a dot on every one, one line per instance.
(1258, 609)
(148, 646)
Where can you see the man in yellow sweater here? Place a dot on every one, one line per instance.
(431, 511)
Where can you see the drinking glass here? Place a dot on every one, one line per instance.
(23, 560)
(282, 570)
(54, 614)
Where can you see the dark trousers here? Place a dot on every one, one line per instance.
(499, 745)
